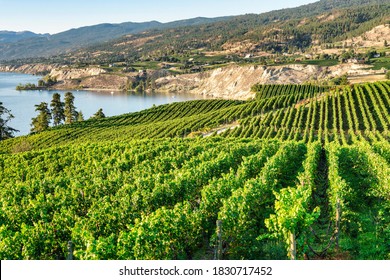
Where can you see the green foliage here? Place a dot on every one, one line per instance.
(27, 86)
(159, 197)
(244, 213)
(380, 63)
(23, 146)
(99, 114)
(57, 109)
(6, 131)
(320, 62)
(42, 121)
(363, 192)
(80, 116)
(285, 112)
(47, 82)
(340, 81)
(167, 234)
(69, 109)
(291, 214)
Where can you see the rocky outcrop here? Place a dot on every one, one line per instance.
(33, 69)
(66, 73)
(73, 78)
(97, 82)
(236, 81)
(375, 38)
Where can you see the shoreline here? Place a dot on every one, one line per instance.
(230, 82)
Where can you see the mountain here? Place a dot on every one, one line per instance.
(277, 32)
(27, 44)
(286, 30)
(12, 37)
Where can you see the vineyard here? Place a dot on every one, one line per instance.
(301, 171)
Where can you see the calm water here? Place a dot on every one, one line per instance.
(21, 103)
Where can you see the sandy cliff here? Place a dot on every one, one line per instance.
(34, 69)
(236, 81)
(65, 73)
(97, 82)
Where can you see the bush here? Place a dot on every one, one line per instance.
(21, 147)
(340, 81)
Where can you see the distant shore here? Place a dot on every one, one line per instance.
(229, 82)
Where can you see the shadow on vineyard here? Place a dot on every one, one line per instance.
(303, 174)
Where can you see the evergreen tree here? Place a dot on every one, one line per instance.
(80, 116)
(5, 131)
(42, 121)
(70, 110)
(99, 114)
(57, 109)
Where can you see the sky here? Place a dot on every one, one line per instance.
(45, 16)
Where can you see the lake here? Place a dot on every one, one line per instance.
(21, 103)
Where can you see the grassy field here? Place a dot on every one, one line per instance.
(380, 63)
(323, 62)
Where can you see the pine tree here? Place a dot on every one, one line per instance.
(57, 109)
(99, 114)
(42, 121)
(70, 110)
(80, 116)
(6, 132)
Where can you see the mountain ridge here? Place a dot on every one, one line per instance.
(7, 36)
(287, 30)
(48, 45)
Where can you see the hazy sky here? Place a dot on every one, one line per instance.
(45, 16)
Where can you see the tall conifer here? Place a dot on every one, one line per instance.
(57, 109)
(70, 109)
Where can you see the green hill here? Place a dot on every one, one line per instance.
(284, 112)
(304, 161)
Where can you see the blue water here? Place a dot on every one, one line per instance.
(21, 103)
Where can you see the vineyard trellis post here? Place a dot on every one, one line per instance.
(70, 250)
(293, 247)
(338, 218)
(219, 236)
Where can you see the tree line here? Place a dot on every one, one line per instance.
(6, 131)
(58, 113)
